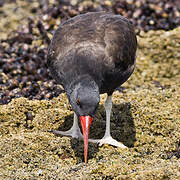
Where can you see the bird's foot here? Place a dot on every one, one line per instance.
(75, 133)
(107, 140)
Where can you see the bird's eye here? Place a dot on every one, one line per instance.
(78, 102)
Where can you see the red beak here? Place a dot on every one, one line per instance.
(85, 123)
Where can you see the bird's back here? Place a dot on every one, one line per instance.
(99, 44)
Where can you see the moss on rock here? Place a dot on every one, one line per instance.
(145, 117)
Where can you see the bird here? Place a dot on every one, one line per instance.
(92, 54)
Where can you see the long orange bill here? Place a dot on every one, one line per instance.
(85, 123)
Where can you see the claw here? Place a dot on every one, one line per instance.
(74, 132)
(108, 140)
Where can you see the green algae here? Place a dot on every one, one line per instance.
(145, 117)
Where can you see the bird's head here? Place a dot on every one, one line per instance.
(84, 100)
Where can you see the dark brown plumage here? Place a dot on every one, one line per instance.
(91, 54)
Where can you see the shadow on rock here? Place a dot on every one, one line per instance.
(122, 124)
(122, 129)
(77, 144)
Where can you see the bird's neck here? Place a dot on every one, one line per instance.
(81, 81)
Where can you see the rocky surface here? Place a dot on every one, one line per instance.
(145, 117)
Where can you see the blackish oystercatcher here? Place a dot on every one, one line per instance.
(91, 54)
